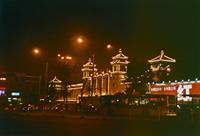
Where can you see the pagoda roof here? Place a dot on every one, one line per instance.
(120, 55)
(55, 80)
(89, 63)
(162, 58)
(88, 69)
(120, 62)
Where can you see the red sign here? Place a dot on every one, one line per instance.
(2, 88)
(182, 90)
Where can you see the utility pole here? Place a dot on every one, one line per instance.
(93, 71)
(39, 87)
(46, 78)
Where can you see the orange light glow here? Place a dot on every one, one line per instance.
(36, 51)
(58, 55)
(3, 79)
(109, 46)
(80, 40)
(168, 69)
(68, 57)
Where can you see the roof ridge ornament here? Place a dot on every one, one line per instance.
(162, 54)
(89, 64)
(55, 80)
(89, 60)
(120, 51)
(162, 57)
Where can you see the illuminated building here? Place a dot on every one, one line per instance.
(108, 82)
(18, 88)
(89, 73)
(55, 90)
(161, 67)
(60, 92)
(185, 91)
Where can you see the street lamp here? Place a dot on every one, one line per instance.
(79, 40)
(37, 51)
(109, 46)
(93, 72)
(65, 60)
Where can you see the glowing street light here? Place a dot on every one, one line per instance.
(109, 46)
(37, 51)
(79, 40)
(64, 58)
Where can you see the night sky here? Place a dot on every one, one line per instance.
(140, 27)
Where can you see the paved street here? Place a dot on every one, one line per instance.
(17, 125)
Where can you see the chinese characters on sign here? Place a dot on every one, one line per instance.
(183, 90)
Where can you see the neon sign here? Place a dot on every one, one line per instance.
(183, 90)
(15, 94)
(180, 91)
(2, 92)
(169, 88)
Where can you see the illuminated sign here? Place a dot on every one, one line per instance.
(2, 88)
(181, 93)
(15, 94)
(2, 92)
(182, 90)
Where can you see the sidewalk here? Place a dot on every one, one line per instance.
(71, 115)
(79, 116)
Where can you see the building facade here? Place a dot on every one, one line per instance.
(18, 89)
(96, 82)
(108, 82)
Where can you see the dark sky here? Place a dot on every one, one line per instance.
(140, 27)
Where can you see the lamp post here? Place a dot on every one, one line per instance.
(37, 52)
(65, 60)
(81, 40)
(93, 72)
(46, 77)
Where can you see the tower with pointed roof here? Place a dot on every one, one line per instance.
(56, 89)
(161, 66)
(89, 69)
(108, 82)
(119, 65)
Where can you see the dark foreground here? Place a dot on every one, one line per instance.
(18, 125)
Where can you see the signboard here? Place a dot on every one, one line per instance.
(2, 91)
(183, 90)
(15, 94)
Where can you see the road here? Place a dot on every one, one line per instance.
(17, 125)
